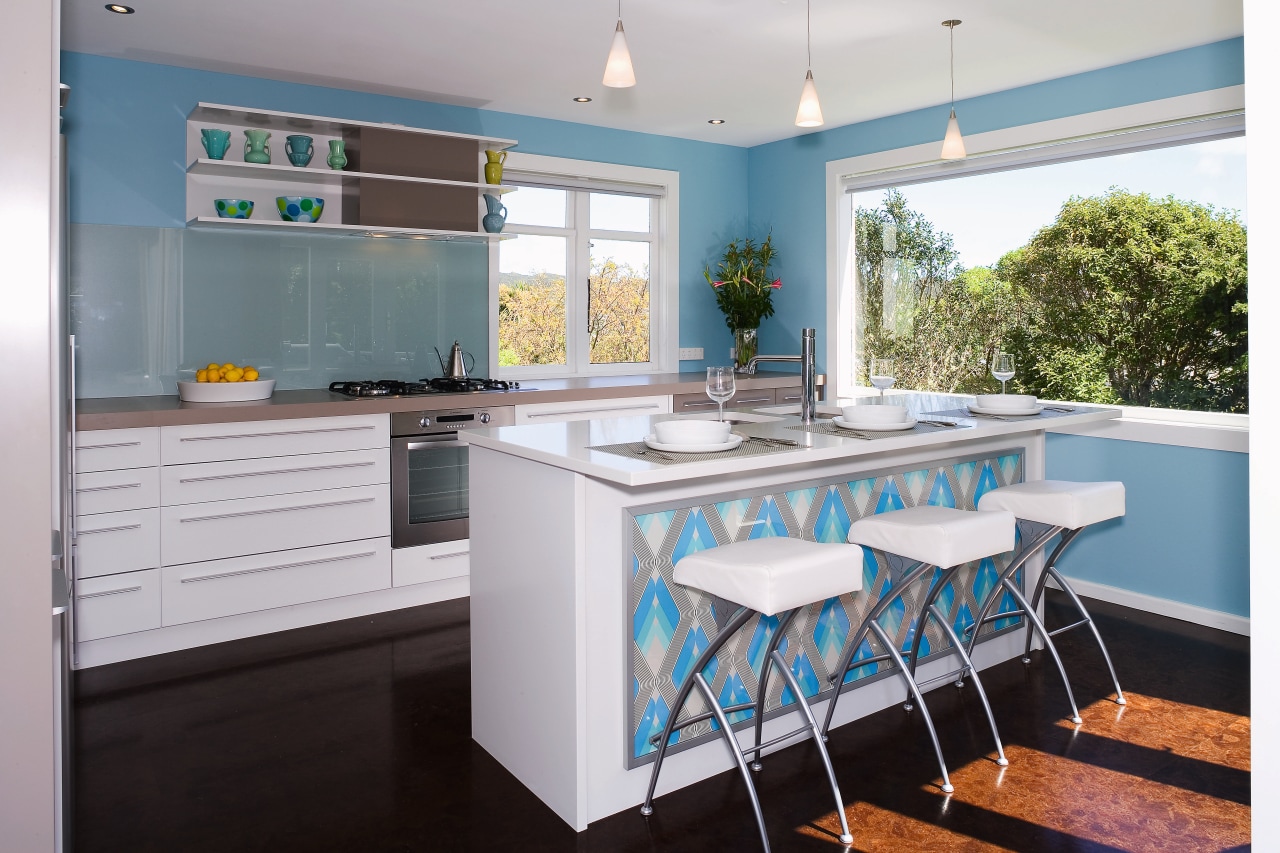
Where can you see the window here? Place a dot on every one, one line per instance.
(582, 287)
(1114, 269)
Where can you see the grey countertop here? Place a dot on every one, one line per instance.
(168, 410)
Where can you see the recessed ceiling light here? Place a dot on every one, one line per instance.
(119, 10)
(715, 121)
(582, 100)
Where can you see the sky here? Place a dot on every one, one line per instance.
(531, 254)
(989, 215)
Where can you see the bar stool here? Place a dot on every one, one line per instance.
(935, 537)
(766, 576)
(1067, 508)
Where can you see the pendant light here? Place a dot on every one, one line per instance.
(618, 72)
(809, 113)
(953, 143)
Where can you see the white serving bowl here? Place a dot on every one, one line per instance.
(875, 414)
(692, 432)
(225, 392)
(1006, 401)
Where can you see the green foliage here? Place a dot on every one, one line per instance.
(1135, 300)
(742, 286)
(939, 322)
(1122, 299)
(532, 326)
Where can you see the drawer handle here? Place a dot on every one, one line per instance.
(790, 397)
(447, 556)
(198, 578)
(109, 488)
(690, 404)
(274, 434)
(109, 529)
(109, 592)
(277, 509)
(280, 471)
(754, 400)
(105, 446)
(593, 411)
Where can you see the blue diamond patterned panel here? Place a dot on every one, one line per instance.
(672, 624)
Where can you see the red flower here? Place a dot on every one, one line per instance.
(777, 283)
(717, 284)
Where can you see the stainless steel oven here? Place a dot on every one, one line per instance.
(430, 498)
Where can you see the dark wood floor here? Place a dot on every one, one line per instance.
(354, 736)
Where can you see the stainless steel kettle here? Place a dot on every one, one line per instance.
(457, 365)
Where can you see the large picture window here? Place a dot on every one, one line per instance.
(1118, 279)
(580, 287)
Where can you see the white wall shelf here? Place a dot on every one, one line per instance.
(269, 225)
(324, 177)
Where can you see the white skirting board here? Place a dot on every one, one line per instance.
(1161, 606)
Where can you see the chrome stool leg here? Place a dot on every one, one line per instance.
(1027, 610)
(732, 742)
(786, 673)
(763, 690)
(1088, 620)
(870, 624)
(931, 609)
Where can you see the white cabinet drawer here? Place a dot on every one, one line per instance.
(430, 562)
(249, 478)
(119, 604)
(218, 442)
(110, 449)
(227, 587)
(114, 542)
(583, 410)
(211, 531)
(111, 491)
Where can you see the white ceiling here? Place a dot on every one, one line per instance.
(740, 60)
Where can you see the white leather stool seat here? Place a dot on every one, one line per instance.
(937, 535)
(1058, 502)
(773, 574)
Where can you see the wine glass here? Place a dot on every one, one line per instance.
(1002, 368)
(720, 386)
(882, 374)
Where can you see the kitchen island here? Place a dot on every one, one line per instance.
(580, 636)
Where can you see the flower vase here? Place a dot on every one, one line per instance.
(745, 347)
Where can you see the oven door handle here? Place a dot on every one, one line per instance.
(422, 441)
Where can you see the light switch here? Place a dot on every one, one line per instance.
(690, 353)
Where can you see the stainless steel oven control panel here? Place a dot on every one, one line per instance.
(438, 421)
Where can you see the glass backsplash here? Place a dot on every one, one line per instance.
(151, 305)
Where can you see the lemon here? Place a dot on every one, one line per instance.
(211, 366)
(235, 375)
(250, 375)
(228, 366)
(202, 375)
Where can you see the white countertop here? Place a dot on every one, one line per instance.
(568, 445)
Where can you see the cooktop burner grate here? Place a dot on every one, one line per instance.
(436, 385)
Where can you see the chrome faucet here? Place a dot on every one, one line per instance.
(808, 368)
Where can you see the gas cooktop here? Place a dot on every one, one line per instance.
(422, 388)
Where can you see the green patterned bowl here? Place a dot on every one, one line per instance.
(233, 208)
(300, 208)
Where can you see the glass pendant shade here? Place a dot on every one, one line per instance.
(618, 72)
(953, 143)
(810, 112)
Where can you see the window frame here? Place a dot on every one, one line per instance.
(1198, 117)
(664, 237)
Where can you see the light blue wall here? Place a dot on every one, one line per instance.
(1185, 533)
(786, 179)
(126, 153)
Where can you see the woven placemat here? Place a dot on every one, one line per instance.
(965, 413)
(640, 450)
(829, 428)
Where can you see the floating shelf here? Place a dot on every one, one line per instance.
(267, 225)
(319, 177)
(297, 122)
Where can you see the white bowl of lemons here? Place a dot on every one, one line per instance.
(226, 383)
